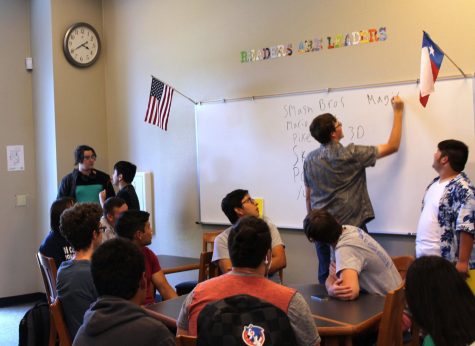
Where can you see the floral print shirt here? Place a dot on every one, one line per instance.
(456, 214)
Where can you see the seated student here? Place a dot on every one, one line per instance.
(124, 174)
(236, 205)
(80, 226)
(113, 208)
(54, 245)
(135, 226)
(441, 302)
(250, 250)
(118, 271)
(360, 263)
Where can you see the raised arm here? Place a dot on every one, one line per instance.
(394, 140)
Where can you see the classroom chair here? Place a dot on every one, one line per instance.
(390, 333)
(60, 324)
(208, 240)
(48, 273)
(402, 264)
(185, 340)
(207, 269)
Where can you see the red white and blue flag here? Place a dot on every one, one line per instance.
(159, 104)
(431, 59)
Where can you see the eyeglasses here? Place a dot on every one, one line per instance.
(91, 157)
(337, 124)
(248, 200)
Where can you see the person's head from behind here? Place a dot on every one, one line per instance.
(319, 225)
(85, 156)
(325, 127)
(57, 208)
(124, 171)
(113, 208)
(450, 152)
(134, 225)
(238, 203)
(118, 268)
(441, 301)
(80, 225)
(249, 243)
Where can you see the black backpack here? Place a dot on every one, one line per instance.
(244, 320)
(34, 326)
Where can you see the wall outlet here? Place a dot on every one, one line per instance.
(20, 200)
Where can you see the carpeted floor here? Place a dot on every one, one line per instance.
(10, 318)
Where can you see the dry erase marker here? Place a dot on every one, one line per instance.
(319, 297)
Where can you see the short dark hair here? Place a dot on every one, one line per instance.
(456, 151)
(248, 242)
(233, 200)
(319, 225)
(79, 153)
(127, 169)
(117, 267)
(441, 301)
(111, 203)
(57, 208)
(79, 223)
(322, 127)
(130, 222)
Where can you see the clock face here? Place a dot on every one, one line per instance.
(81, 45)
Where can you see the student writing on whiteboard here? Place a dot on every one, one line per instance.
(446, 225)
(335, 176)
(236, 205)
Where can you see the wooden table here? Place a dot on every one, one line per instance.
(175, 264)
(337, 321)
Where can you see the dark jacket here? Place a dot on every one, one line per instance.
(116, 321)
(76, 178)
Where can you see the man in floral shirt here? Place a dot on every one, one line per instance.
(446, 225)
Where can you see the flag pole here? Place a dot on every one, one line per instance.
(189, 98)
(448, 57)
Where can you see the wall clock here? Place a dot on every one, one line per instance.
(81, 45)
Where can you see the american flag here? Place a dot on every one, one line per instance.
(159, 104)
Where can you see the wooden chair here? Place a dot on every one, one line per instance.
(48, 273)
(60, 324)
(390, 333)
(402, 264)
(185, 340)
(207, 269)
(208, 240)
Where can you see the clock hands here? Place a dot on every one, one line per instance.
(81, 45)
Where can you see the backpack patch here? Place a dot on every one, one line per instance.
(253, 335)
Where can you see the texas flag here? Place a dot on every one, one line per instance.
(431, 59)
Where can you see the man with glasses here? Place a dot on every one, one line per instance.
(81, 227)
(85, 183)
(335, 176)
(236, 205)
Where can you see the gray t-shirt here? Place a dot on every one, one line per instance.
(356, 250)
(221, 250)
(76, 291)
(337, 178)
(300, 317)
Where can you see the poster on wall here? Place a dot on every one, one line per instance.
(15, 158)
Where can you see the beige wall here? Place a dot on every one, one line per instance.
(18, 230)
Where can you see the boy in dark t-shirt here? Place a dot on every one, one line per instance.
(124, 173)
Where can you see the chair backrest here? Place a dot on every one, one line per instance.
(402, 264)
(59, 322)
(185, 340)
(390, 331)
(48, 273)
(244, 318)
(208, 240)
(207, 269)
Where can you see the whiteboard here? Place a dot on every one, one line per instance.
(260, 145)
